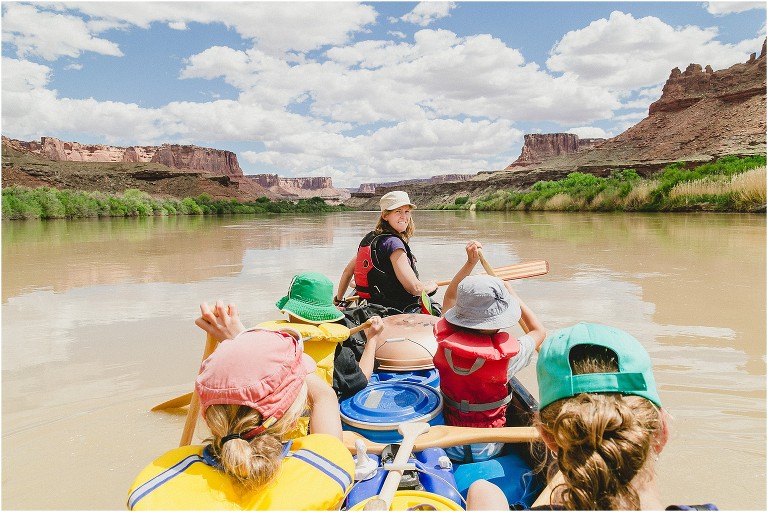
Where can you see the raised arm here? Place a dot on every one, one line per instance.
(221, 322)
(473, 256)
(536, 329)
(373, 341)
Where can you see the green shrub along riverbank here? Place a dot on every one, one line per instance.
(50, 203)
(731, 184)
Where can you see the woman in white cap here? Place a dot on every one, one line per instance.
(253, 389)
(384, 267)
(601, 417)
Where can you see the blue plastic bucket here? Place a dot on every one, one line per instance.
(429, 377)
(377, 411)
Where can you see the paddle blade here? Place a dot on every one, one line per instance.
(426, 304)
(174, 403)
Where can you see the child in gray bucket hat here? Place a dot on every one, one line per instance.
(475, 358)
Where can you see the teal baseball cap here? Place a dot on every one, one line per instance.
(556, 379)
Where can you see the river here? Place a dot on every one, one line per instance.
(97, 327)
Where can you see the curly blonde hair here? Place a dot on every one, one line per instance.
(603, 441)
(255, 462)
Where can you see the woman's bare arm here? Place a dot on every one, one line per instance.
(407, 276)
(346, 278)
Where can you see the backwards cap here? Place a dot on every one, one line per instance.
(556, 379)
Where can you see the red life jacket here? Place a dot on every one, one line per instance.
(473, 375)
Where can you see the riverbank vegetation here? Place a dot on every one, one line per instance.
(50, 203)
(731, 184)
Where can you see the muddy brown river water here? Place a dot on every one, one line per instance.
(97, 327)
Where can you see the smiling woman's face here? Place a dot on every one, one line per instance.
(398, 218)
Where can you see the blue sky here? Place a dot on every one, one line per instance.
(360, 92)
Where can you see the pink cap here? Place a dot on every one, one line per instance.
(261, 369)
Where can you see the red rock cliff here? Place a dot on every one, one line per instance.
(310, 183)
(541, 146)
(302, 188)
(737, 83)
(176, 156)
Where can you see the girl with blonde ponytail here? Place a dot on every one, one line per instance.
(600, 416)
(253, 389)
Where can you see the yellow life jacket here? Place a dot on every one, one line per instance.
(316, 473)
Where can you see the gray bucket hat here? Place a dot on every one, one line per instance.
(483, 302)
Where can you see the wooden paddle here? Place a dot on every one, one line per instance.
(410, 432)
(516, 271)
(174, 403)
(443, 436)
(194, 406)
(492, 272)
(186, 399)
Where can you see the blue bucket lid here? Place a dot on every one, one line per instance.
(385, 405)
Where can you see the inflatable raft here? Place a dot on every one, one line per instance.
(407, 391)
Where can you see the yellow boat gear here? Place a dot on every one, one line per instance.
(410, 500)
(320, 342)
(316, 473)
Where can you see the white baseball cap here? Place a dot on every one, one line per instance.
(395, 199)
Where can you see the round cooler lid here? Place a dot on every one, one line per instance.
(385, 405)
(410, 342)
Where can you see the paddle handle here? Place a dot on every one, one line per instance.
(360, 327)
(194, 404)
(491, 272)
(444, 436)
(410, 432)
(507, 273)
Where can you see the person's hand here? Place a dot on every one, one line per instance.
(473, 249)
(376, 327)
(221, 322)
(431, 287)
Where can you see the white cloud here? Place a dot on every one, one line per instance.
(426, 12)
(275, 27)
(23, 76)
(53, 30)
(725, 8)
(50, 35)
(590, 132)
(367, 110)
(624, 53)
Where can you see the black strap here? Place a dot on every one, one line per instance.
(229, 438)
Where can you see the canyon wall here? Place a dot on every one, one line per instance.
(300, 188)
(370, 188)
(175, 156)
(538, 147)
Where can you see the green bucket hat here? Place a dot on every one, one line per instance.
(310, 298)
(556, 380)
